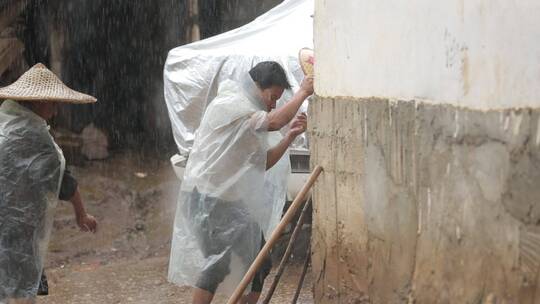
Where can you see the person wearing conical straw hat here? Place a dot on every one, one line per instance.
(32, 179)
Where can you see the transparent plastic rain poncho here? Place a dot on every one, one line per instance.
(192, 75)
(224, 208)
(31, 167)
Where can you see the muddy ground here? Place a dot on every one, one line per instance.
(134, 199)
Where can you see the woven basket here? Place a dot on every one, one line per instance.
(307, 60)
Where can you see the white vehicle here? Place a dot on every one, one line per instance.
(193, 72)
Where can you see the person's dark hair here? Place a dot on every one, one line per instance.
(269, 73)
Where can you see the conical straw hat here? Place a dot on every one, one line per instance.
(307, 60)
(40, 84)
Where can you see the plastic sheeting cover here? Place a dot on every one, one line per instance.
(31, 166)
(193, 72)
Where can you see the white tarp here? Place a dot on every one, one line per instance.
(193, 72)
(192, 75)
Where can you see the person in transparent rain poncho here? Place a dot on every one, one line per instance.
(32, 179)
(217, 232)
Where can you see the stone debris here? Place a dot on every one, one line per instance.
(95, 143)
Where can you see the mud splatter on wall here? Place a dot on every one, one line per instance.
(426, 125)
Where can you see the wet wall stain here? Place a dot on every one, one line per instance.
(425, 203)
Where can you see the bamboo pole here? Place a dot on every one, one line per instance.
(287, 254)
(248, 277)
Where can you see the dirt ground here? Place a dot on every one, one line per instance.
(126, 261)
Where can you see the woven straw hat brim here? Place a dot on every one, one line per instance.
(306, 58)
(40, 84)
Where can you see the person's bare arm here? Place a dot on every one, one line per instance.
(84, 220)
(280, 117)
(275, 153)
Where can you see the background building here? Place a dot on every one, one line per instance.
(114, 50)
(12, 62)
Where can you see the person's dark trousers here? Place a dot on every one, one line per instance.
(43, 288)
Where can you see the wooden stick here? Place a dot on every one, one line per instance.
(287, 254)
(248, 277)
(302, 276)
(194, 32)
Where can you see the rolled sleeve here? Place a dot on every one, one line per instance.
(68, 187)
(259, 121)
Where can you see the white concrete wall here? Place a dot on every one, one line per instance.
(426, 203)
(481, 54)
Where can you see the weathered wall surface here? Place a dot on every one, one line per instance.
(433, 203)
(428, 127)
